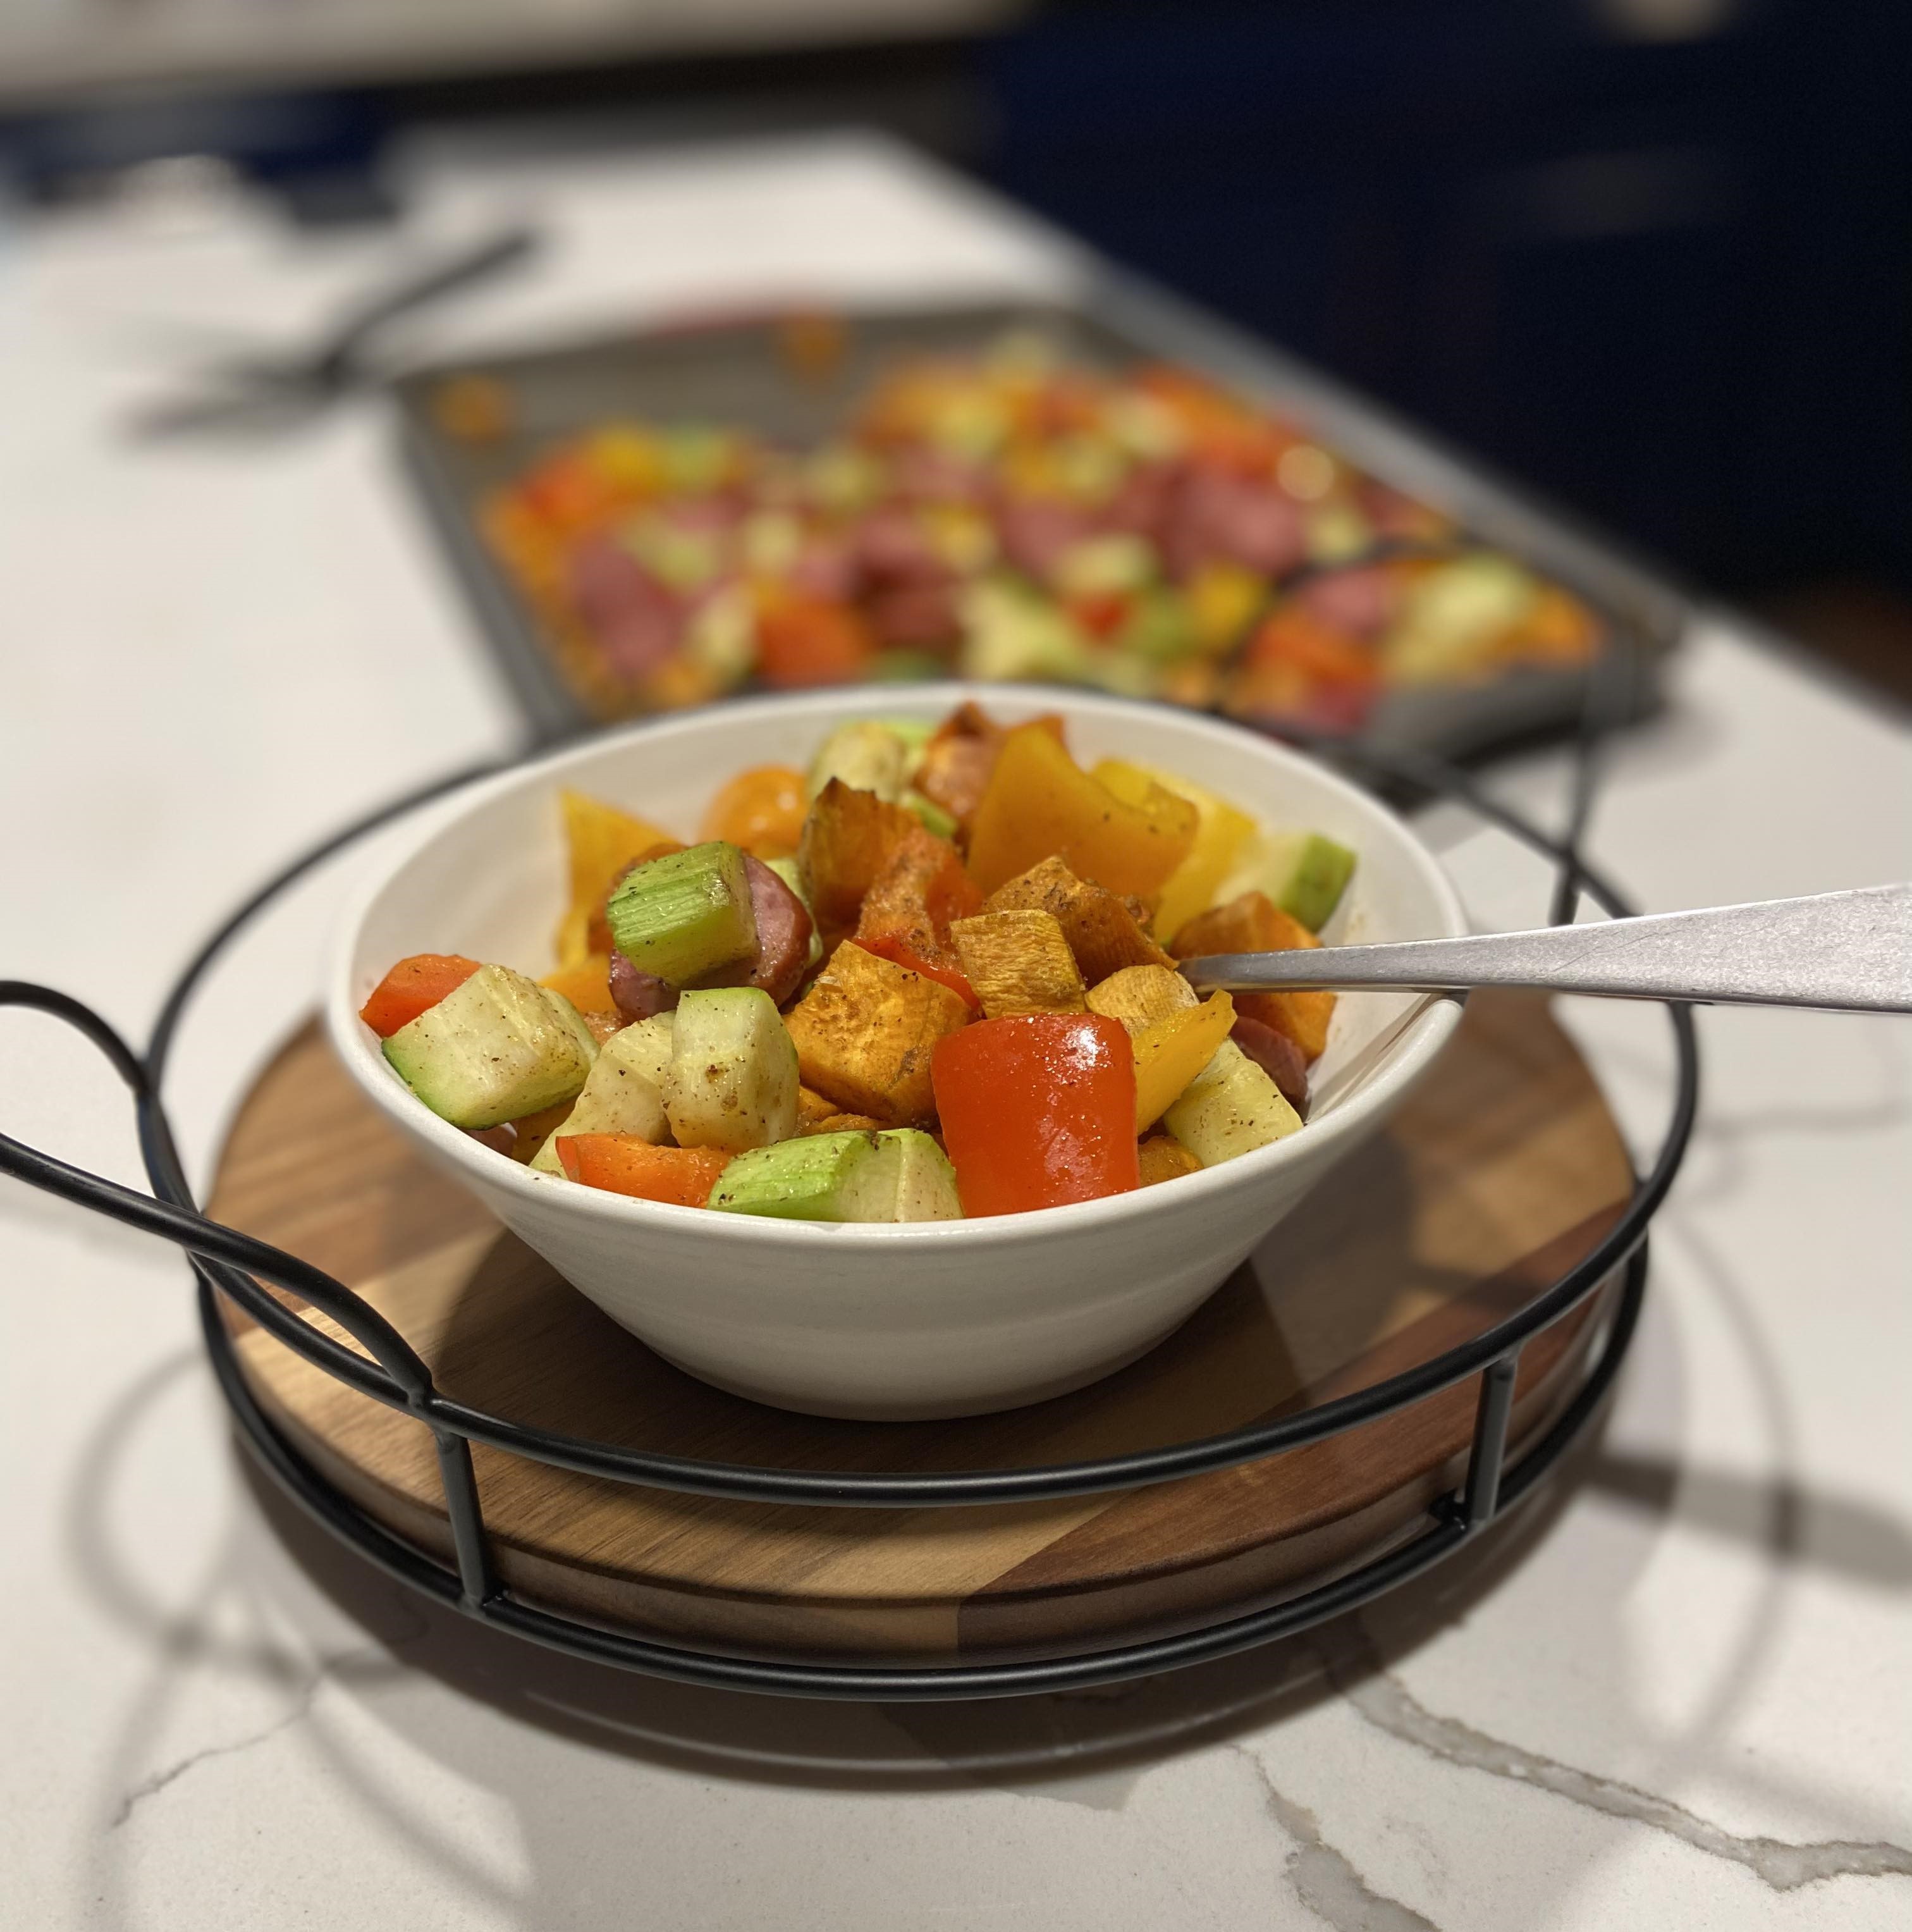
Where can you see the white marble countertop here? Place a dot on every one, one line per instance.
(1678, 1692)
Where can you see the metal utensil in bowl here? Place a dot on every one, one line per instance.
(1847, 951)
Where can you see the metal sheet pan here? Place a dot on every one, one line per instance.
(729, 371)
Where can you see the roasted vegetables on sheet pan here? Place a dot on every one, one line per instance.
(1010, 515)
(931, 976)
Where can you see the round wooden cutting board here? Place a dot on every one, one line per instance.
(1504, 1169)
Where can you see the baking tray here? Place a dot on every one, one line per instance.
(731, 371)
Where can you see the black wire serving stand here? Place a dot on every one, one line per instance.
(232, 1265)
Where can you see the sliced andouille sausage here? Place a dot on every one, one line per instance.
(639, 994)
(782, 931)
(1278, 1056)
(782, 939)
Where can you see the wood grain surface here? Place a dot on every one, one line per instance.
(1501, 1171)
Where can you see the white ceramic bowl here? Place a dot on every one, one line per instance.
(939, 1318)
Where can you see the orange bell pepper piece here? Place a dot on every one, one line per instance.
(804, 640)
(624, 1164)
(762, 810)
(412, 987)
(587, 985)
(1041, 804)
(1292, 634)
(1037, 1111)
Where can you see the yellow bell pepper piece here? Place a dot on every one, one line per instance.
(1041, 804)
(1222, 598)
(1170, 1054)
(1221, 832)
(602, 841)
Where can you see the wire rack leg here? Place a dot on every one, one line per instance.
(475, 1575)
(1481, 1496)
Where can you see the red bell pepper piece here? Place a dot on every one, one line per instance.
(1037, 1111)
(624, 1164)
(412, 987)
(896, 947)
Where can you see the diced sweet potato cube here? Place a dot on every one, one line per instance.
(1041, 803)
(1103, 932)
(864, 1033)
(812, 1107)
(921, 887)
(1250, 922)
(1254, 923)
(842, 1123)
(848, 838)
(1138, 996)
(1019, 962)
(1163, 1157)
(534, 1130)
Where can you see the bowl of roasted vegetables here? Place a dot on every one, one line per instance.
(835, 1045)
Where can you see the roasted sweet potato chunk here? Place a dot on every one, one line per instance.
(921, 887)
(1019, 961)
(848, 839)
(1254, 923)
(1163, 1157)
(864, 1033)
(1103, 932)
(812, 1107)
(1138, 996)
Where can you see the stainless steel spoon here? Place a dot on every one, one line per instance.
(1839, 952)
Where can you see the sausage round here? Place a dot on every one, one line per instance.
(1278, 1056)
(782, 938)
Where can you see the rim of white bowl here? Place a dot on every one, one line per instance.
(1400, 1062)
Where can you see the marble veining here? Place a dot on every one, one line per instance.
(1383, 1701)
(1326, 1880)
(156, 1781)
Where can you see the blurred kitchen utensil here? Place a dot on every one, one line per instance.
(1839, 952)
(255, 393)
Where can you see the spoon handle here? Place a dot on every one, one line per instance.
(1839, 952)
